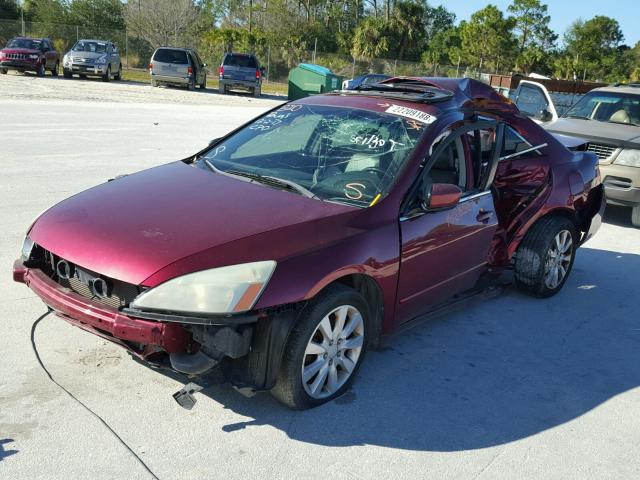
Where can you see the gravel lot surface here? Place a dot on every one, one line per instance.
(511, 388)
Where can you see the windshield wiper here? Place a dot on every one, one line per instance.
(275, 182)
(577, 117)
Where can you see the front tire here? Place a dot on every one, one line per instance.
(325, 349)
(42, 70)
(545, 257)
(3, 71)
(107, 76)
(635, 216)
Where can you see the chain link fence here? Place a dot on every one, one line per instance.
(278, 60)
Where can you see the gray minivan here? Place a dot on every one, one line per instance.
(177, 66)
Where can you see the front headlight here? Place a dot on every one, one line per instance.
(33, 57)
(629, 157)
(102, 59)
(66, 59)
(231, 289)
(27, 246)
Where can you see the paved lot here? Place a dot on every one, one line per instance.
(510, 388)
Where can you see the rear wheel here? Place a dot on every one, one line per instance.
(107, 76)
(118, 75)
(324, 350)
(154, 83)
(222, 89)
(257, 91)
(54, 72)
(545, 257)
(192, 84)
(635, 216)
(203, 85)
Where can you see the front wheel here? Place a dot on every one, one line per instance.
(107, 76)
(635, 216)
(41, 70)
(3, 71)
(325, 349)
(545, 257)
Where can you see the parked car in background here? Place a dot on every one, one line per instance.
(608, 119)
(177, 66)
(25, 54)
(240, 71)
(366, 79)
(89, 58)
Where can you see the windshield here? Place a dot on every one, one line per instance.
(24, 43)
(93, 47)
(337, 154)
(611, 107)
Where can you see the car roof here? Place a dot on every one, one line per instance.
(94, 40)
(175, 48)
(633, 89)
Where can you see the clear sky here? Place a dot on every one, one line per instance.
(564, 12)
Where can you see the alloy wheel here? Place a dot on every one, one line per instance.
(333, 351)
(558, 259)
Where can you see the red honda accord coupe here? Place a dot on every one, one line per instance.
(286, 249)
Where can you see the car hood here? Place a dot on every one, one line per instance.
(24, 51)
(136, 225)
(609, 133)
(88, 55)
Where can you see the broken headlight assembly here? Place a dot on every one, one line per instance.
(629, 157)
(223, 290)
(27, 247)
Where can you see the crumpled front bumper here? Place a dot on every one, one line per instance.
(101, 319)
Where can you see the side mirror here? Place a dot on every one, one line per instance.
(443, 195)
(545, 115)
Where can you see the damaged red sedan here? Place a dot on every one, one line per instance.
(284, 251)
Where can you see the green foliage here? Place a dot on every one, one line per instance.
(536, 40)
(9, 9)
(105, 14)
(487, 38)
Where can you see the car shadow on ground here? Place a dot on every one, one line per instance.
(500, 371)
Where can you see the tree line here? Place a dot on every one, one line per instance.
(516, 40)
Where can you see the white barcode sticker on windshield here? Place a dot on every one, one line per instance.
(411, 113)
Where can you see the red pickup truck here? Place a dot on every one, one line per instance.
(30, 54)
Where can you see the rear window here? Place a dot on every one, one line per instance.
(241, 61)
(166, 55)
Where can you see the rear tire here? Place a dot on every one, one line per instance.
(223, 90)
(545, 257)
(154, 83)
(635, 216)
(327, 344)
(203, 85)
(118, 75)
(192, 84)
(257, 91)
(55, 70)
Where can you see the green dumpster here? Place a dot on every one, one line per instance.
(308, 79)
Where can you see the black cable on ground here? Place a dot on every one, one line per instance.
(106, 425)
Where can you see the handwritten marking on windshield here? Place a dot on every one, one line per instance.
(352, 192)
(373, 141)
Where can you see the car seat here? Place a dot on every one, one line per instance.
(620, 116)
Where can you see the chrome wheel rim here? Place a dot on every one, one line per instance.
(333, 351)
(558, 259)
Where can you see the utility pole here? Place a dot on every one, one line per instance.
(250, 15)
(315, 49)
(22, 17)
